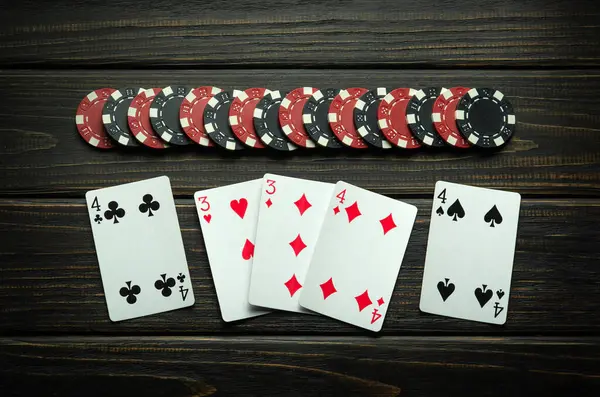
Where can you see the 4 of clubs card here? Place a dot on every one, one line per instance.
(470, 253)
(140, 250)
(357, 258)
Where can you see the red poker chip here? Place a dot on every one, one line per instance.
(341, 117)
(138, 118)
(391, 116)
(191, 114)
(444, 119)
(241, 116)
(290, 116)
(89, 118)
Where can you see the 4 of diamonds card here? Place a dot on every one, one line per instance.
(358, 255)
(470, 253)
(228, 218)
(140, 251)
(291, 214)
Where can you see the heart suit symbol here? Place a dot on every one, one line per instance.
(207, 218)
(239, 206)
(248, 250)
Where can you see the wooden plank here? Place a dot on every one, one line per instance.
(555, 151)
(51, 284)
(247, 366)
(386, 33)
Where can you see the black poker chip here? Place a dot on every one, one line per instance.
(216, 120)
(365, 118)
(114, 115)
(164, 115)
(266, 122)
(315, 118)
(419, 119)
(485, 118)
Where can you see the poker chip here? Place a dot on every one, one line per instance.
(138, 118)
(114, 115)
(444, 119)
(266, 122)
(341, 117)
(419, 119)
(241, 116)
(391, 118)
(216, 120)
(314, 118)
(191, 113)
(365, 118)
(89, 118)
(164, 115)
(485, 117)
(290, 116)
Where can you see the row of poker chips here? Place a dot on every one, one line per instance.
(304, 117)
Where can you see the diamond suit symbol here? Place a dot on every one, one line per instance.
(387, 224)
(380, 301)
(297, 245)
(363, 300)
(292, 285)
(269, 203)
(302, 204)
(353, 212)
(328, 288)
(336, 210)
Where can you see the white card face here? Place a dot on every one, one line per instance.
(470, 253)
(228, 218)
(290, 218)
(140, 251)
(358, 255)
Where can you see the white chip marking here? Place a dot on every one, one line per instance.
(499, 141)
(381, 91)
(388, 98)
(92, 97)
(209, 128)
(410, 118)
(511, 119)
(79, 119)
(123, 140)
(473, 139)
(420, 94)
(291, 146)
(459, 115)
(258, 112)
(213, 102)
(309, 143)
(215, 90)
(473, 92)
(250, 141)
(166, 136)
(363, 131)
(318, 96)
(344, 94)
(411, 92)
(184, 122)
(436, 117)
(452, 140)
(332, 117)
(266, 138)
(93, 141)
(242, 96)
(131, 112)
(106, 119)
(307, 118)
(285, 103)
(428, 140)
(275, 94)
(286, 129)
(347, 140)
(360, 105)
(116, 95)
(153, 112)
(447, 94)
(498, 95)
(307, 90)
(386, 145)
(168, 91)
(402, 142)
(236, 93)
(190, 97)
(382, 123)
(204, 142)
(233, 120)
(230, 145)
(323, 141)
(140, 137)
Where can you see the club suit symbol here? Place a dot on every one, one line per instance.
(149, 205)
(114, 212)
(129, 292)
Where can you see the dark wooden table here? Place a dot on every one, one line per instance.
(55, 335)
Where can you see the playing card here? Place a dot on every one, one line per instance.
(290, 218)
(228, 218)
(140, 251)
(358, 255)
(470, 253)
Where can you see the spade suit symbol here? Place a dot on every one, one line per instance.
(493, 217)
(483, 295)
(440, 210)
(446, 289)
(456, 211)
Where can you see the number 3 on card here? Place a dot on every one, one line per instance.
(271, 184)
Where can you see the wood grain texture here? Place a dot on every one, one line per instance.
(245, 366)
(51, 283)
(310, 33)
(556, 150)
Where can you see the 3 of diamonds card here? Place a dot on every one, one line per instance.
(470, 253)
(357, 258)
(140, 250)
